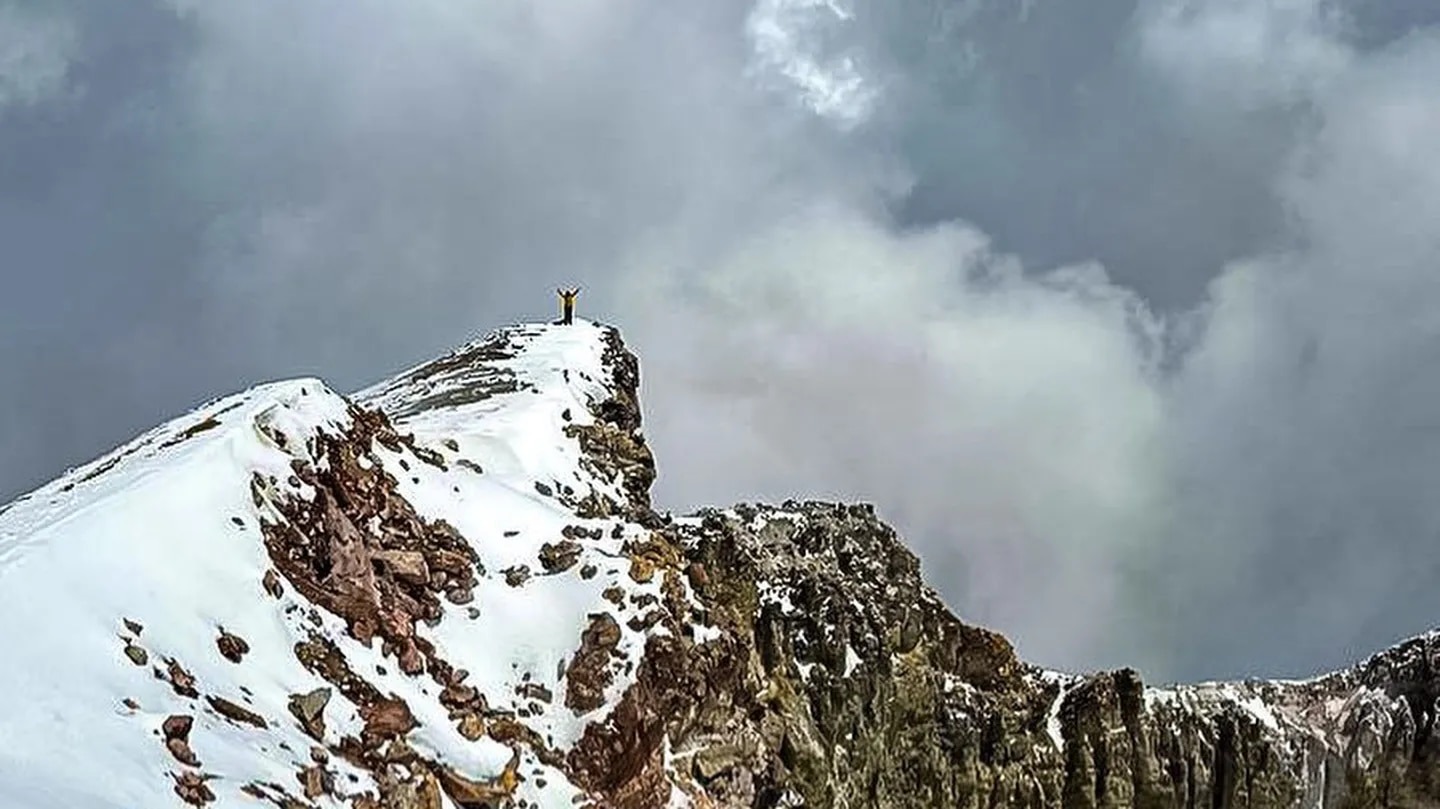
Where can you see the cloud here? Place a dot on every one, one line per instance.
(1007, 422)
(790, 47)
(1244, 55)
(36, 52)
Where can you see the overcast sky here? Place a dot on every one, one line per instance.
(1125, 312)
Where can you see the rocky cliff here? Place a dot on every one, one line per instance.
(452, 590)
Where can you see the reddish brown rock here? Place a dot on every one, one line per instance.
(235, 713)
(180, 749)
(232, 647)
(177, 726)
(407, 566)
(181, 681)
(191, 788)
(387, 718)
(589, 670)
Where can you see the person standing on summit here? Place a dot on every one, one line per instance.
(567, 304)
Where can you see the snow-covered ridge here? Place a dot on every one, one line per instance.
(149, 635)
(449, 590)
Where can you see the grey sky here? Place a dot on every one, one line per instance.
(1123, 311)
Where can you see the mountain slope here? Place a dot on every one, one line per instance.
(450, 590)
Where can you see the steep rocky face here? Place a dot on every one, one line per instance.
(834, 677)
(452, 590)
(839, 679)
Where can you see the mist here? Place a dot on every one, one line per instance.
(1123, 315)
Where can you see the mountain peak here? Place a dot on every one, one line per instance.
(450, 590)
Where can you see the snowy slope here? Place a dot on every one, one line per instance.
(118, 580)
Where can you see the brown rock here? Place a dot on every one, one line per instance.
(271, 583)
(232, 647)
(130, 703)
(642, 570)
(457, 695)
(471, 794)
(181, 681)
(588, 571)
(697, 575)
(589, 671)
(407, 566)
(472, 726)
(535, 691)
(411, 661)
(452, 562)
(191, 788)
(398, 751)
(235, 713)
(386, 718)
(640, 624)
(313, 781)
(559, 557)
(177, 726)
(180, 749)
(419, 792)
(516, 576)
(134, 627)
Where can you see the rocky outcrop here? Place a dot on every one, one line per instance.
(755, 656)
(819, 670)
(836, 678)
(613, 447)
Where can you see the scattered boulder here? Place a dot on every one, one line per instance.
(191, 788)
(235, 713)
(182, 682)
(387, 718)
(309, 709)
(137, 655)
(176, 732)
(271, 582)
(232, 647)
(560, 556)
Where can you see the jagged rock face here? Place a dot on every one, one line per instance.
(491, 510)
(839, 679)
